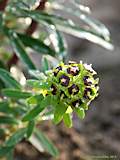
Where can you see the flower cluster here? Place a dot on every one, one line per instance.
(74, 84)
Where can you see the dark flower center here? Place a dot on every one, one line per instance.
(54, 89)
(96, 85)
(64, 80)
(62, 94)
(57, 70)
(86, 82)
(76, 103)
(85, 77)
(74, 70)
(87, 90)
(74, 89)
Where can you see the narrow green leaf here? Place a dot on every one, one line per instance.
(18, 110)
(36, 44)
(60, 45)
(34, 100)
(8, 120)
(37, 84)
(45, 64)
(16, 94)
(33, 113)
(20, 51)
(30, 128)
(29, 3)
(69, 27)
(6, 108)
(47, 101)
(16, 137)
(46, 143)
(80, 112)
(59, 112)
(4, 150)
(43, 102)
(8, 79)
(32, 82)
(37, 74)
(67, 120)
(95, 25)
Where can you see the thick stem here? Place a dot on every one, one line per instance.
(30, 30)
(33, 26)
(3, 4)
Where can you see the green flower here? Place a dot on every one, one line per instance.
(73, 85)
(75, 81)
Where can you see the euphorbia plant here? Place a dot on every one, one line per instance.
(54, 91)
